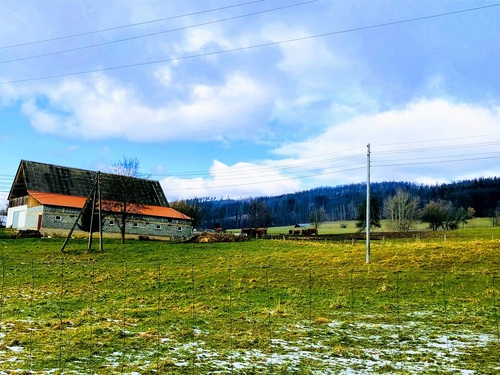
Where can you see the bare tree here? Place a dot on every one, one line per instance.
(317, 217)
(121, 188)
(129, 167)
(402, 210)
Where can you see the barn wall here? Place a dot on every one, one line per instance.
(32, 217)
(151, 226)
(59, 218)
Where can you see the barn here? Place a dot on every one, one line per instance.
(49, 198)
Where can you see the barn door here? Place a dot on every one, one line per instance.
(39, 225)
(15, 220)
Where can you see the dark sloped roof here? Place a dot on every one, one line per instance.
(48, 178)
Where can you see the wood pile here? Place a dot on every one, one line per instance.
(217, 237)
(29, 234)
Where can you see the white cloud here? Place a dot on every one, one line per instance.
(433, 140)
(240, 180)
(101, 108)
(199, 39)
(163, 75)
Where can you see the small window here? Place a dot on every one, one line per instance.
(58, 217)
(136, 225)
(111, 222)
(179, 229)
(158, 226)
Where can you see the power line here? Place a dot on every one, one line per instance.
(251, 170)
(153, 34)
(440, 157)
(323, 165)
(438, 161)
(439, 140)
(238, 49)
(297, 171)
(129, 25)
(441, 148)
(268, 181)
(331, 172)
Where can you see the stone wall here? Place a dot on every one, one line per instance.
(59, 218)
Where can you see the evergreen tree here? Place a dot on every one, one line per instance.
(374, 214)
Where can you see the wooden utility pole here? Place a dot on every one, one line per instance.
(96, 190)
(368, 207)
(78, 217)
(89, 247)
(97, 193)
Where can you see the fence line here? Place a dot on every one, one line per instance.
(153, 317)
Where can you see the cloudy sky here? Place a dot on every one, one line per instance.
(238, 98)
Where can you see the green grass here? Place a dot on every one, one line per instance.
(263, 306)
(349, 226)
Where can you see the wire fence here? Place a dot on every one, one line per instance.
(150, 317)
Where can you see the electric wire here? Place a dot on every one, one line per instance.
(437, 140)
(207, 185)
(436, 161)
(290, 172)
(246, 48)
(129, 25)
(265, 182)
(435, 157)
(442, 148)
(153, 34)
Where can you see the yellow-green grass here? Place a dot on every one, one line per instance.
(349, 226)
(282, 307)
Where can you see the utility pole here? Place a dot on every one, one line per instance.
(92, 213)
(97, 194)
(100, 208)
(79, 216)
(97, 186)
(368, 206)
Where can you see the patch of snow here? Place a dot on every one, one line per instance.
(15, 349)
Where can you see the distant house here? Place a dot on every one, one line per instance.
(49, 198)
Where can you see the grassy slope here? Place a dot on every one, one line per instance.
(335, 227)
(125, 298)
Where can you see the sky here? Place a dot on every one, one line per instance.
(246, 98)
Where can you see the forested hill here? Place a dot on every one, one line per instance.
(342, 202)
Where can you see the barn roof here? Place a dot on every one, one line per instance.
(59, 200)
(54, 179)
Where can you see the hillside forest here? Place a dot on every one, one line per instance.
(479, 198)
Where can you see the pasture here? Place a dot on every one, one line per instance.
(255, 307)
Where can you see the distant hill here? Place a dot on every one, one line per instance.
(342, 202)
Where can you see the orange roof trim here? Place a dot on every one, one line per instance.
(50, 199)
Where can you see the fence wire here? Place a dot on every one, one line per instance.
(149, 317)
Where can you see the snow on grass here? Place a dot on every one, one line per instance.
(336, 347)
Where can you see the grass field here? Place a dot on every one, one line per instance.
(341, 227)
(262, 306)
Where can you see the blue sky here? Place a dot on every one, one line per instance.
(238, 98)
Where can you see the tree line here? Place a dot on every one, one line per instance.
(442, 205)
